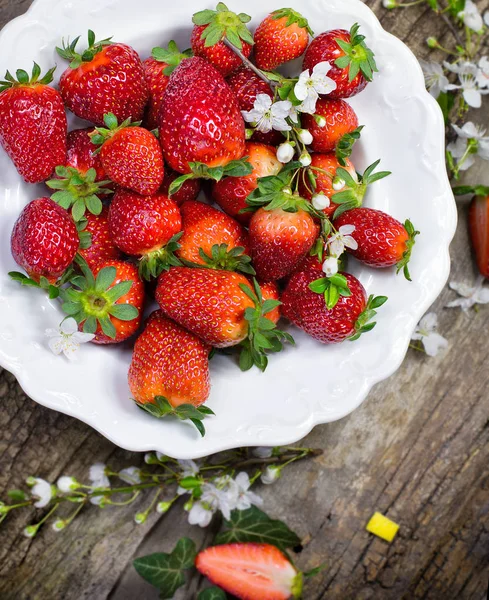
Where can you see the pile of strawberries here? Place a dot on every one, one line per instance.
(123, 222)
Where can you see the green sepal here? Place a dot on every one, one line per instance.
(403, 264)
(223, 24)
(161, 408)
(364, 322)
(332, 288)
(358, 57)
(236, 168)
(344, 148)
(292, 17)
(152, 265)
(101, 134)
(43, 284)
(263, 335)
(24, 79)
(171, 56)
(68, 50)
(224, 259)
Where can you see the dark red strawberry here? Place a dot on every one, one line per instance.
(200, 120)
(352, 62)
(130, 155)
(44, 240)
(251, 571)
(105, 78)
(147, 227)
(81, 154)
(247, 85)
(101, 247)
(382, 240)
(32, 124)
(190, 189)
(212, 29)
(231, 192)
(283, 36)
(479, 231)
(339, 119)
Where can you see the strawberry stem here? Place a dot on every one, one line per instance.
(364, 324)
(224, 259)
(249, 64)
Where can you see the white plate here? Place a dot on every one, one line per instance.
(304, 386)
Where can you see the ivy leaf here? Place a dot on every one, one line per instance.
(166, 571)
(17, 495)
(253, 525)
(446, 102)
(212, 593)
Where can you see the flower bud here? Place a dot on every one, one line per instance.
(287, 190)
(305, 159)
(59, 525)
(31, 481)
(188, 505)
(285, 152)
(321, 201)
(270, 475)
(389, 4)
(31, 531)
(338, 184)
(305, 136)
(150, 458)
(163, 507)
(67, 484)
(320, 120)
(140, 518)
(432, 42)
(249, 133)
(330, 266)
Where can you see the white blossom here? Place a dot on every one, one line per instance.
(482, 76)
(188, 468)
(469, 132)
(43, 491)
(131, 475)
(67, 484)
(285, 152)
(305, 159)
(305, 136)
(426, 333)
(470, 296)
(267, 115)
(341, 240)
(262, 452)
(311, 85)
(321, 201)
(467, 74)
(270, 475)
(239, 494)
(98, 476)
(200, 514)
(331, 266)
(67, 339)
(212, 500)
(471, 16)
(435, 79)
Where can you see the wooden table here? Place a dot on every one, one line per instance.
(417, 450)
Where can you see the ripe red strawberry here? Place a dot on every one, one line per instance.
(105, 78)
(212, 28)
(211, 238)
(189, 190)
(270, 291)
(44, 240)
(80, 153)
(169, 362)
(246, 85)
(352, 62)
(324, 167)
(130, 155)
(251, 571)
(196, 125)
(147, 227)
(101, 247)
(340, 119)
(281, 37)
(32, 124)
(231, 192)
(479, 231)
(157, 70)
(108, 302)
(223, 309)
(382, 240)
(308, 310)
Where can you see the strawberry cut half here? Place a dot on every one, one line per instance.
(251, 571)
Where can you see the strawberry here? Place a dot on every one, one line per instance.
(212, 239)
(246, 86)
(231, 192)
(157, 70)
(32, 124)
(352, 62)
(199, 119)
(107, 302)
(189, 191)
(130, 155)
(44, 240)
(216, 28)
(101, 247)
(251, 571)
(305, 303)
(283, 36)
(223, 310)
(147, 227)
(105, 78)
(382, 240)
(479, 231)
(81, 154)
(170, 371)
(340, 120)
(270, 291)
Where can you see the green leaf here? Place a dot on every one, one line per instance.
(167, 571)
(17, 495)
(105, 278)
(119, 290)
(212, 593)
(477, 190)
(253, 525)
(108, 327)
(124, 312)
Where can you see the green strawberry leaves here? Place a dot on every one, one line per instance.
(236, 168)
(24, 79)
(344, 148)
(68, 51)
(477, 190)
(167, 571)
(224, 259)
(212, 593)
(357, 56)
(102, 134)
(43, 283)
(171, 56)
(224, 24)
(333, 288)
(292, 17)
(403, 264)
(263, 335)
(162, 408)
(364, 322)
(78, 191)
(153, 264)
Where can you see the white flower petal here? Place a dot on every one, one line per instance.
(473, 98)
(200, 515)
(330, 266)
(43, 491)
(433, 343)
(131, 475)
(68, 326)
(429, 322)
(56, 345)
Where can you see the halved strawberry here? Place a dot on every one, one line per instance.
(340, 119)
(251, 571)
(479, 231)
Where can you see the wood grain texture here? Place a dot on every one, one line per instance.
(417, 451)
